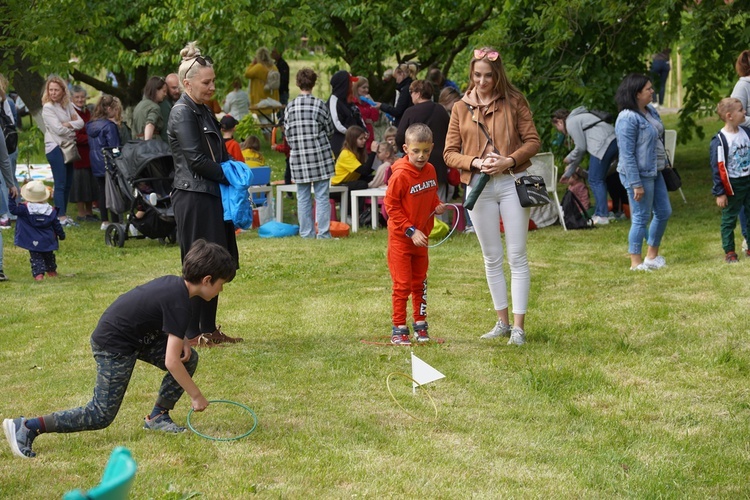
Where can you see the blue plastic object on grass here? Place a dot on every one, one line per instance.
(276, 229)
(118, 477)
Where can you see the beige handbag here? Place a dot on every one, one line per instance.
(70, 151)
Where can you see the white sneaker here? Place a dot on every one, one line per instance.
(744, 245)
(656, 263)
(133, 231)
(499, 330)
(517, 336)
(104, 225)
(600, 221)
(640, 267)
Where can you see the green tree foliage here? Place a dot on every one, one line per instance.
(366, 34)
(712, 36)
(134, 39)
(561, 53)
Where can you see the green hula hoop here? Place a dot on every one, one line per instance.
(247, 409)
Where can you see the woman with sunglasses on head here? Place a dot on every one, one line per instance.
(198, 150)
(492, 131)
(148, 121)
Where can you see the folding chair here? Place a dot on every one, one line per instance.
(118, 477)
(670, 143)
(543, 164)
(261, 177)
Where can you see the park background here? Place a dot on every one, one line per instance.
(631, 384)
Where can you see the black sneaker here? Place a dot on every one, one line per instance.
(3, 277)
(19, 437)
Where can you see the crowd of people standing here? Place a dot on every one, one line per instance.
(486, 129)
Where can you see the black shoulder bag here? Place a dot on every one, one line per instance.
(532, 192)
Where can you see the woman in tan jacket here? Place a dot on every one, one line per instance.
(493, 107)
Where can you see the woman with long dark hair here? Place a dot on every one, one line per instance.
(640, 139)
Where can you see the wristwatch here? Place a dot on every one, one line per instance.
(410, 232)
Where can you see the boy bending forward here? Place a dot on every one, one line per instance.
(146, 323)
(410, 201)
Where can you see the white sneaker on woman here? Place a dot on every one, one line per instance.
(517, 336)
(656, 263)
(499, 330)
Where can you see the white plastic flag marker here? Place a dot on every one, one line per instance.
(422, 373)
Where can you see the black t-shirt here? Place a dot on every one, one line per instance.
(138, 317)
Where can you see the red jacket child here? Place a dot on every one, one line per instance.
(410, 201)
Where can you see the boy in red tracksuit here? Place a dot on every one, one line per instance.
(410, 201)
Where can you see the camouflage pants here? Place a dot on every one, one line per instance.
(113, 373)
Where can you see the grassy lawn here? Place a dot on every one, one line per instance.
(630, 385)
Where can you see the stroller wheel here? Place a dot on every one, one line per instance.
(115, 235)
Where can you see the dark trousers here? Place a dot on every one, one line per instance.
(42, 262)
(113, 372)
(660, 71)
(201, 215)
(741, 199)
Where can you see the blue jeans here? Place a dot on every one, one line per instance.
(597, 175)
(322, 209)
(743, 223)
(62, 173)
(655, 199)
(1, 250)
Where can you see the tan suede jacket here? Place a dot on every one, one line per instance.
(515, 136)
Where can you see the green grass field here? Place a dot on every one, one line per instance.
(631, 384)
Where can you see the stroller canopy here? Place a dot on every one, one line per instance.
(140, 159)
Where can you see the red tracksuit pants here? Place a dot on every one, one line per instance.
(408, 266)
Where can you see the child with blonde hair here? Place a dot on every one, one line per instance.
(730, 162)
(386, 154)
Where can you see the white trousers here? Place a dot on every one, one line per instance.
(498, 199)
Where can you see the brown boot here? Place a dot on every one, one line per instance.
(202, 341)
(219, 337)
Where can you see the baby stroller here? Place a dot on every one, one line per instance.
(138, 181)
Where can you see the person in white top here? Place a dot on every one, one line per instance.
(60, 123)
(237, 102)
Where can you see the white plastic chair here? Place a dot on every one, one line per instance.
(670, 143)
(543, 164)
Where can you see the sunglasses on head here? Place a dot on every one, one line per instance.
(491, 55)
(203, 61)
